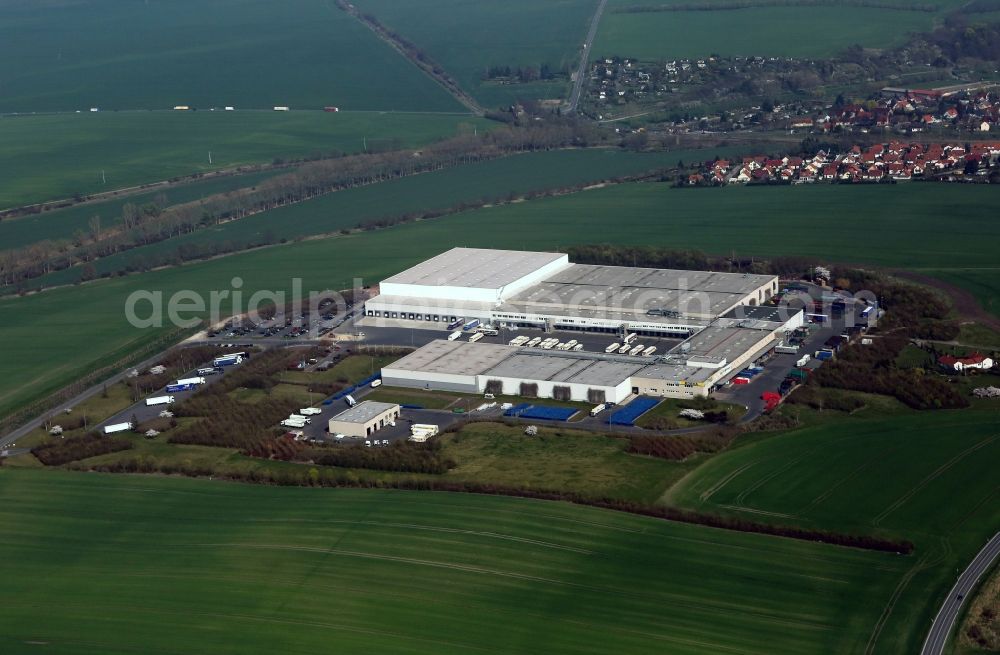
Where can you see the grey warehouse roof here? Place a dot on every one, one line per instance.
(364, 412)
(560, 367)
(660, 278)
(454, 358)
(475, 267)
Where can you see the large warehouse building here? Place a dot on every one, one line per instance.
(718, 314)
(539, 289)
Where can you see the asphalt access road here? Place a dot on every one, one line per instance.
(944, 622)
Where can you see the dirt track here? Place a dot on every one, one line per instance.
(965, 303)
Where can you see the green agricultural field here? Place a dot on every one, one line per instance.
(244, 53)
(58, 156)
(466, 38)
(63, 224)
(929, 477)
(55, 336)
(776, 31)
(112, 565)
(492, 181)
(982, 282)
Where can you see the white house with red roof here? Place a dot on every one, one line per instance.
(975, 361)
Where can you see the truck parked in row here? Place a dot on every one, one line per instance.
(612, 348)
(476, 337)
(174, 388)
(422, 431)
(197, 380)
(456, 323)
(159, 400)
(471, 325)
(228, 360)
(454, 335)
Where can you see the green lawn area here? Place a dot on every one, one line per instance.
(671, 407)
(568, 460)
(349, 370)
(979, 335)
(440, 190)
(425, 399)
(245, 53)
(466, 38)
(926, 476)
(57, 156)
(111, 564)
(96, 409)
(83, 326)
(770, 31)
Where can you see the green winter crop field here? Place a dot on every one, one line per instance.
(467, 37)
(64, 223)
(491, 181)
(762, 30)
(899, 225)
(57, 156)
(105, 564)
(928, 476)
(62, 55)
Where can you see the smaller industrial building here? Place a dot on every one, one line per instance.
(364, 419)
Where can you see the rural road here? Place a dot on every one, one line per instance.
(948, 614)
(581, 72)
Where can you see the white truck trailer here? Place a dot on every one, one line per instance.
(159, 400)
(420, 432)
(454, 335)
(197, 380)
(612, 348)
(117, 427)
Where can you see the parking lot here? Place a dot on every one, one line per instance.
(418, 333)
(284, 325)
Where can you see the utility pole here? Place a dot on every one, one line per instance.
(209, 156)
(104, 180)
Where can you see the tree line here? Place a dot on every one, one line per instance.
(64, 451)
(872, 369)
(691, 260)
(153, 223)
(332, 477)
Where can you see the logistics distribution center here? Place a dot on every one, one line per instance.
(718, 314)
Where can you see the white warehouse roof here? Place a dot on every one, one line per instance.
(477, 268)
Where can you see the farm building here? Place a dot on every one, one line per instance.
(364, 419)
(975, 361)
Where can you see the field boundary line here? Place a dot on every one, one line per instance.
(829, 492)
(711, 491)
(930, 478)
(924, 562)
